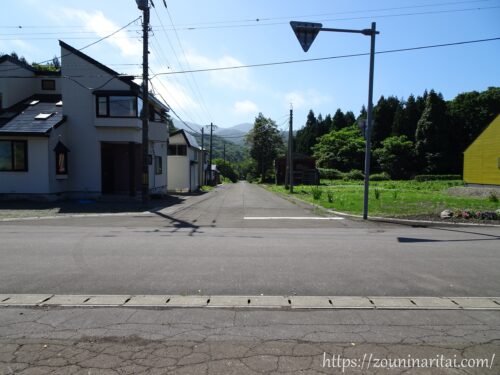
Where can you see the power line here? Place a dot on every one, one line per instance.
(82, 48)
(329, 57)
(198, 92)
(176, 56)
(258, 22)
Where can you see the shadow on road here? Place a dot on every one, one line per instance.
(489, 237)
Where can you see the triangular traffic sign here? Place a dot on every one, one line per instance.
(306, 32)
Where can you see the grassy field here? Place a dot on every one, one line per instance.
(390, 198)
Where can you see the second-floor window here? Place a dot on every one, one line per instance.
(177, 150)
(116, 106)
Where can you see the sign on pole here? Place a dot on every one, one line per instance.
(306, 32)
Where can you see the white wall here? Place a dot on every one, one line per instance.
(14, 90)
(178, 173)
(36, 179)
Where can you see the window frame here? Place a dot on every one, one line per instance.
(177, 147)
(47, 81)
(158, 162)
(13, 156)
(108, 106)
(65, 153)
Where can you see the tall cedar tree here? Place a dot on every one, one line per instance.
(383, 116)
(433, 136)
(306, 137)
(265, 143)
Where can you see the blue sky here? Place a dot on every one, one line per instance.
(226, 33)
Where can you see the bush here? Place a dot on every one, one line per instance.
(354, 174)
(330, 174)
(329, 195)
(384, 176)
(316, 192)
(437, 177)
(493, 197)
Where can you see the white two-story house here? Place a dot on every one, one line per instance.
(77, 133)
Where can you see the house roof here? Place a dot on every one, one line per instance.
(190, 139)
(29, 67)
(136, 88)
(127, 79)
(20, 119)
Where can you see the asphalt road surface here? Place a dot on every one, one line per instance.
(213, 244)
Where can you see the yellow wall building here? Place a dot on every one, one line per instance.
(482, 157)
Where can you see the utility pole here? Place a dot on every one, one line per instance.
(224, 153)
(212, 126)
(203, 156)
(144, 6)
(290, 151)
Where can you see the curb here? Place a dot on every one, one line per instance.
(380, 218)
(252, 301)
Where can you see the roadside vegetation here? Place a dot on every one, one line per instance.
(392, 198)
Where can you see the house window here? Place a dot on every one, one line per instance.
(48, 84)
(116, 106)
(158, 165)
(14, 156)
(61, 158)
(177, 150)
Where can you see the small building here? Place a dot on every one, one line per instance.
(184, 163)
(88, 147)
(214, 177)
(304, 170)
(482, 157)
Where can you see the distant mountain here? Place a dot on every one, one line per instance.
(180, 125)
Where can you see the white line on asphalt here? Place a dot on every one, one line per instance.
(292, 218)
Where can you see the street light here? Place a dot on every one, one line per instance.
(306, 32)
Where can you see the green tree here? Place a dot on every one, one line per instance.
(342, 149)
(306, 137)
(396, 157)
(226, 169)
(383, 116)
(433, 136)
(265, 143)
(338, 120)
(349, 118)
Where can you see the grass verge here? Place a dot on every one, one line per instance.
(389, 198)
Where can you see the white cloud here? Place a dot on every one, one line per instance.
(98, 23)
(175, 95)
(245, 107)
(305, 99)
(235, 78)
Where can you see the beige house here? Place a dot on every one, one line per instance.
(185, 163)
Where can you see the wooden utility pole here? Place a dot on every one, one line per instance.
(212, 126)
(224, 143)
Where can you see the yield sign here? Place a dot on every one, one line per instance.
(306, 32)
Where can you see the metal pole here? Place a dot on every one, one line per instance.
(145, 107)
(211, 149)
(290, 150)
(368, 131)
(204, 171)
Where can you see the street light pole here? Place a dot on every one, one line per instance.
(369, 125)
(306, 32)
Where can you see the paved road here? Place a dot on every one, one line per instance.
(205, 246)
(245, 342)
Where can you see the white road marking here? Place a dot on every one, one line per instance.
(292, 218)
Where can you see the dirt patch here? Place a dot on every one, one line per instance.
(478, 192)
